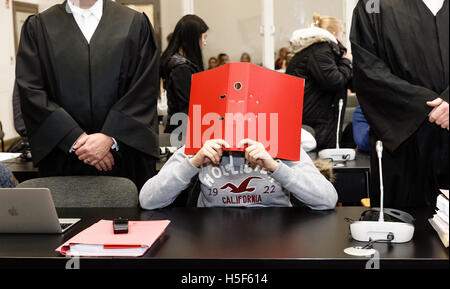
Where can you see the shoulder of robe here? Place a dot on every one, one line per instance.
(383, 5)
(121, 8)
(58, 8)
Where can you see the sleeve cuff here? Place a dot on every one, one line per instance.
(444, 95)
(115, 146)
(189, 168)
(66, 145)
(282, 174)
(347, 63)
(130, 132)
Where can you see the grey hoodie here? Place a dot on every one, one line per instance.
(234, 184)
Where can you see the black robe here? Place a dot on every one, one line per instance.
(401, 62)
(68, 86)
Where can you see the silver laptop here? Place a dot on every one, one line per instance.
(30, 211)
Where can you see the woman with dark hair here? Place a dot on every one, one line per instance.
(182, 58)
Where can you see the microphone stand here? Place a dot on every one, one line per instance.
(395, 232)
(338, 154)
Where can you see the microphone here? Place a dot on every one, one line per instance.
(368, 230)
(379, 148)
(341, 106)
(338, 154)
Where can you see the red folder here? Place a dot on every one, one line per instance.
(241, 100)
(100, 240)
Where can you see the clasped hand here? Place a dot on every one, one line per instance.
(94, 150)
(439, 114)
(255, 154)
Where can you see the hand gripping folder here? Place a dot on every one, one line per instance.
(99, 240)
(219, 97)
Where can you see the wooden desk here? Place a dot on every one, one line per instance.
(22, 170)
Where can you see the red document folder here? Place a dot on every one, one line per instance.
(100, 240)
(241, 100)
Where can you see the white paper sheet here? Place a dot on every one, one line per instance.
(8, 156)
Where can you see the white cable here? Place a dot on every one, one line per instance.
(379, 148)
(341, 105)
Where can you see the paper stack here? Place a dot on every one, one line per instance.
(99, 240)
(440, 219)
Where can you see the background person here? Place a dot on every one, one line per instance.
(223, 59)
(361, 129)
(322, 60)
(182, 58)
(212, 63)
(281, 62)
(245, 57)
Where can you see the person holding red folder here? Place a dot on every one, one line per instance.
(239, 179)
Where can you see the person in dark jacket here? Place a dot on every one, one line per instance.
(324, 63)
(182, 58)
(361, 129)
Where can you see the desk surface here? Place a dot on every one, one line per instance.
(280, 238)
(361, 162)
(20, 166)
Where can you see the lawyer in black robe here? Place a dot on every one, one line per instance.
(401, 63)
(68, 86)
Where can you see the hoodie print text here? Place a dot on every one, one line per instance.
(239, 185)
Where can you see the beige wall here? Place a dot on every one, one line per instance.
(7, 63)
(294, 14)
(171, 12)
(7, 66)
(45, 4)
(235, 24)
(234, 27)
